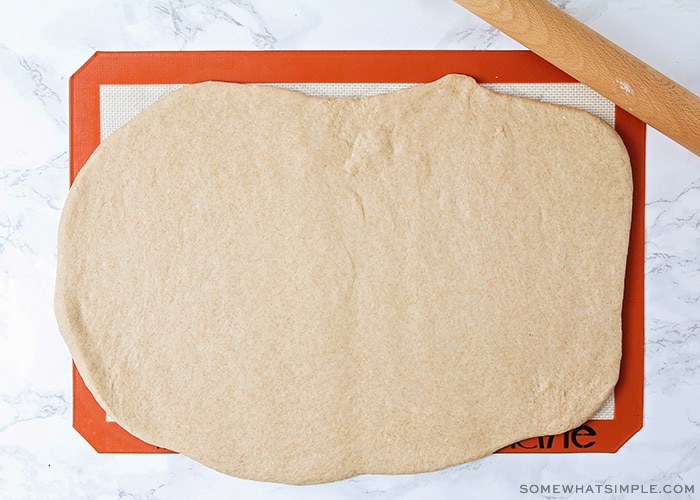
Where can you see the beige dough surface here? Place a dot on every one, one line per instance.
(300, 289)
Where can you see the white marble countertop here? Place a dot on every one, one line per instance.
(42, 43)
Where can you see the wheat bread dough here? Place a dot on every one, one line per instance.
(300, 289)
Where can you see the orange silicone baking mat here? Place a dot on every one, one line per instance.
(111, 87)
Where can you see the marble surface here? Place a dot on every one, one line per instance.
(42, 43)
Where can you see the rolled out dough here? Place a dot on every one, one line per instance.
(299, 289)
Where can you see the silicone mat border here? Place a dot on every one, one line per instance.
(105, 436)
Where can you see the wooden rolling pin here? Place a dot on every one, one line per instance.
(597, 62)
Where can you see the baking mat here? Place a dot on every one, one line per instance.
(111, 88)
